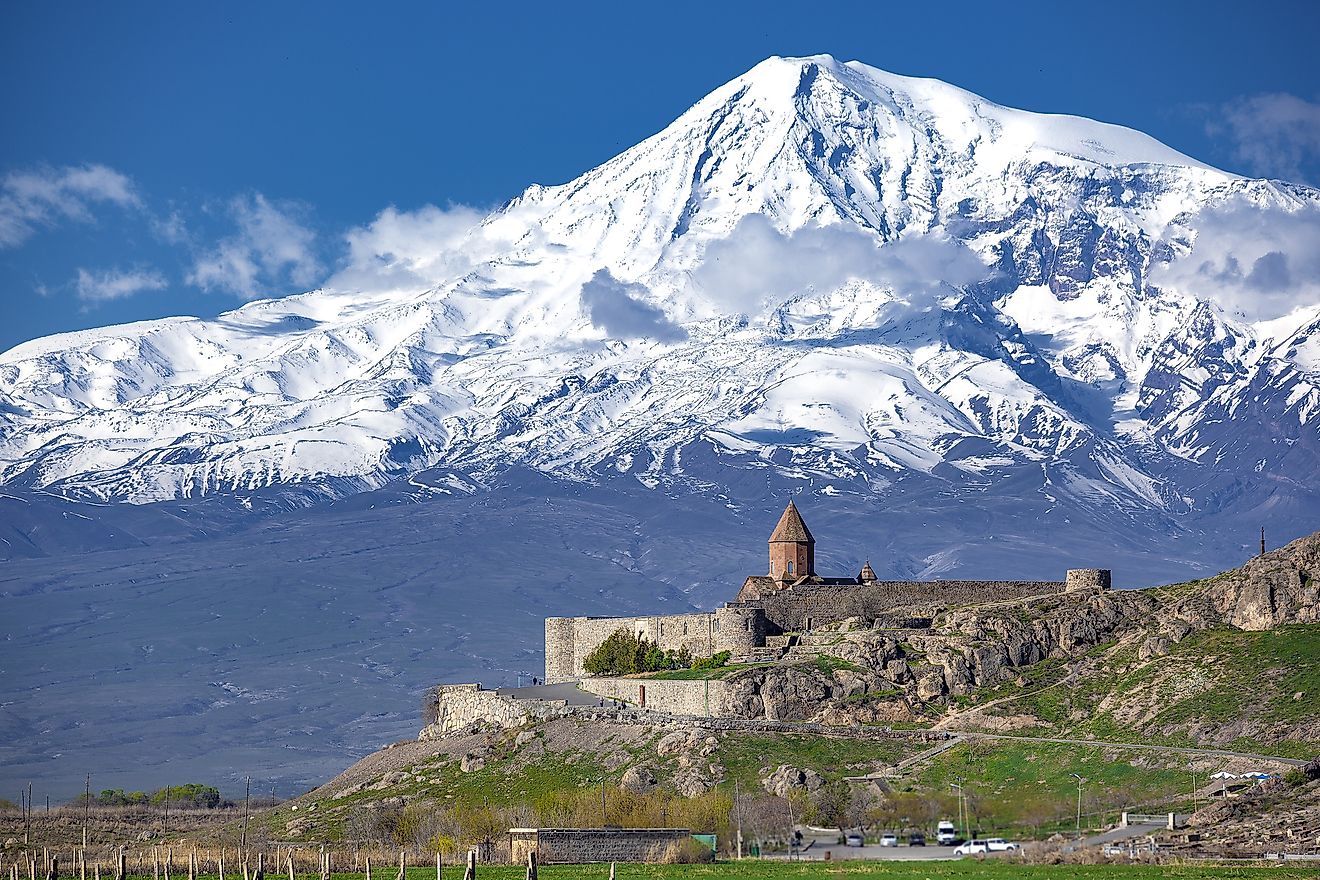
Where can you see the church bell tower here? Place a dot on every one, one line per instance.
(792, 549)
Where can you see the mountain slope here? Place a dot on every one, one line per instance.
(1059, 352)
(974, 341)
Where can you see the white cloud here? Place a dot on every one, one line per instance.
(1256, 262)
(619, 308)
(1275, 135)
(757, 266)
(114, 284)
(410, 248)
(44, 197)
(272, 250)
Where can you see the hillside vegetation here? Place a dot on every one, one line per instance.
(1225, 664)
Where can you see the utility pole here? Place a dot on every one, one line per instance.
(87, 807)
(958, 787)
(738, 815)
(246, 797)
(603, 820)
(1080, 780)
(1191, 768)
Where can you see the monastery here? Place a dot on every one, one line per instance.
(770, 609)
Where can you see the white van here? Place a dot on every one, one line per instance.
(945, 833)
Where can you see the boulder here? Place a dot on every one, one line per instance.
(691, 782)
(784, 780)
(638, 780)
(930, 684)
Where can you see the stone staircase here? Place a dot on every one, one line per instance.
(775, 649)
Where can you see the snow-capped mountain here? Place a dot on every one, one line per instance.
(977, 340)
(837, 271)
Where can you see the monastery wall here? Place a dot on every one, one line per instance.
(462, 704)
(568, 640)
(701, 698)
(805, 607)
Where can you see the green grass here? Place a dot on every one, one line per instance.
(743, 755)
(1019, 785)
(829, 664)
(1252, 675)
(702, 674)
(971, 869)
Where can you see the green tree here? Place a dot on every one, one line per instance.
(622, 653)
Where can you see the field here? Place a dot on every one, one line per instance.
(970, 869)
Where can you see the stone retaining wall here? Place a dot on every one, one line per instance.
(463, 704)
(525, 710)
(577, 846)
(703, 698)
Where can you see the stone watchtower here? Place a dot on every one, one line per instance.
(792, 549)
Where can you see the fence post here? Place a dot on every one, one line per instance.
(470, 872)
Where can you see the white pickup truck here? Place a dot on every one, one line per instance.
(988, 845)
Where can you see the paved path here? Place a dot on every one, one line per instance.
(1123, 832)
(1177, 750)
(566, 691)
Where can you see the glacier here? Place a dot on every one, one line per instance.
(976, 339)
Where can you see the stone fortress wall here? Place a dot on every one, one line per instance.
(739, 627)
(459, 705)
(568, 640)
(704, 698)
(804, 608)
(784, 603)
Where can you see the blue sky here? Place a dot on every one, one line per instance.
(163, 159)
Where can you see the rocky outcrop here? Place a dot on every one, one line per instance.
(638, 780)
(785, 780)
(965, 649)
(782, 693)
(1281, 587)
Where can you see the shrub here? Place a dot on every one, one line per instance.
(623, 653)
(714, 661)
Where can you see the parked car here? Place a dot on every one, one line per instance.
(852, 838)
(998, 844)
(889, 838)
(945, 833)
(972, 848)
(916, 838)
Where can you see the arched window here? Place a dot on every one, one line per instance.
(790, 568)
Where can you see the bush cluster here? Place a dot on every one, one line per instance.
(193, 794)
(625, 652)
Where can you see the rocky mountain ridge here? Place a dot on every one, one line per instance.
(840, 273)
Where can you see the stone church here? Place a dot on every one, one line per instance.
(791, 598)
